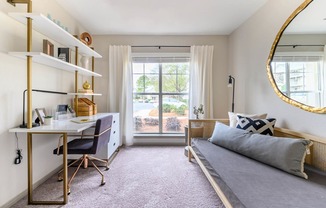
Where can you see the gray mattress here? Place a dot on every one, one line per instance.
(249, 183)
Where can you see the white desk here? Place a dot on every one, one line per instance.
(62, 127)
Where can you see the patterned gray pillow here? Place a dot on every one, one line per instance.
(261, 126)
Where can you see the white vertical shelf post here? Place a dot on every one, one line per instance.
(76, 82)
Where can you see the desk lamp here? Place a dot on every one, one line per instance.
(24, 125)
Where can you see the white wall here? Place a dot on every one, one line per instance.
(249, 49)
(220, 61)
(13, 178)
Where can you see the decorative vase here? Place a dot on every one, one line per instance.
(84, 61)
(86, 85)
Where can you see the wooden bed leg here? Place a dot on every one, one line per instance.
(189, 140)
(189, 154)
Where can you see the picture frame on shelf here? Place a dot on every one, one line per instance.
(41, 113)
(48, 47)
(64, 54)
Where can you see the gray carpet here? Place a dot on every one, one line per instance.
(138, 177)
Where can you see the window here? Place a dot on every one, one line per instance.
(300, 77)
(160, 94)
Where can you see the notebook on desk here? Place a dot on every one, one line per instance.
(83, 120)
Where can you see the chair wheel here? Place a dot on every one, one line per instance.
(68, 191)
(107, 168)
(60, 178)
(103, 183)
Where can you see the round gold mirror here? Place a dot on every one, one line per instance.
(296, 65)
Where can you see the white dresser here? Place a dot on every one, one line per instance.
(114, 143)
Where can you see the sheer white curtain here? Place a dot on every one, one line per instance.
(120, 89)
(323, 80)
(201, 75)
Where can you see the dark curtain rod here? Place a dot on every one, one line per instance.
(299, 45)
(159, 47)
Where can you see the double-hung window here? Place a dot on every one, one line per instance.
(160, 93)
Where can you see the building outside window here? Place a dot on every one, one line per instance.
(160, 94)
(300, 78)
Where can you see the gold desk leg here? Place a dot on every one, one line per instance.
(30, 167)
(65, 170)
(30, 172)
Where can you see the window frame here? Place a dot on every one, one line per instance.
(161, 94)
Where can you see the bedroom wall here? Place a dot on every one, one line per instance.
(13, 178)
(220, 61)
(249, 49)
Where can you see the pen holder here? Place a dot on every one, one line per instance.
(48, 120)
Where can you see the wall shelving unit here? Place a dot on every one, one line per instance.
(48, 28)
(40, 23)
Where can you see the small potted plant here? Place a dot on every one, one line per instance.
(199, 110)
(48, 120)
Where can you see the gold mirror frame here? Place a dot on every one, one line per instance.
(271, 55)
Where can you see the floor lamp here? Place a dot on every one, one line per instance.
(232, 84)
(24, 125)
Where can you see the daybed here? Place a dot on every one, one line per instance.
(241, 181)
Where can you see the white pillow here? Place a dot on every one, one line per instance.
(233, 117)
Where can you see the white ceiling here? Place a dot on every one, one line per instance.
(312, 20)
(161, 17)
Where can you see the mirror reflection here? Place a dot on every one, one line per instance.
(298, 65)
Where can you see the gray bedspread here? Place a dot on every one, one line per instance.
(249, 183)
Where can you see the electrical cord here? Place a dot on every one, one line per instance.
(19, 157)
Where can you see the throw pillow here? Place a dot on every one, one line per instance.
(233, 119)
(287, 154)
(225, 133)
(261, 126)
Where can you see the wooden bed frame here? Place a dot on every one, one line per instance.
(204, 128)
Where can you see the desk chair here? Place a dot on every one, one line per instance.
(85, 145)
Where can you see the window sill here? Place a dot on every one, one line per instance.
(141, 136)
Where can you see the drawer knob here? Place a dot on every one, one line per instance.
(113, 132)
(113, 144)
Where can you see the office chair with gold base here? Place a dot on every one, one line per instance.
(85, 145)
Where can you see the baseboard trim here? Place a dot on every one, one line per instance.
(35, 185)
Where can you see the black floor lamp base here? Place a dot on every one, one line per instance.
(25, 125)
